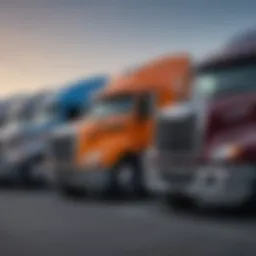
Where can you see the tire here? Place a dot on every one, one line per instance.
(25, 175)
(127, 178)
(250, 203)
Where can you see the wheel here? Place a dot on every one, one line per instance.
(25, 177)
(127, 178)
(250, 204)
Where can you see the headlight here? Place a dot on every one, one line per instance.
(93, 158)
(225, 152)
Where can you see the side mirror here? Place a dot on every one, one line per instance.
(145, 107)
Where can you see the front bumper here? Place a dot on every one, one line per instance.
(88, 178)
(215, 186)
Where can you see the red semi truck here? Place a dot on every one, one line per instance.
(204, 150)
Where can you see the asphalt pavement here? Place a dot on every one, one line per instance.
(42, 223)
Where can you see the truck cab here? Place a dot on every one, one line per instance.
(204, 149)
(17, 117)
(56, 110)
(105, 152)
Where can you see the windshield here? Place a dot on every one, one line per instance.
(18, 115)
(44, 113)
(112, 106)
(226, 81)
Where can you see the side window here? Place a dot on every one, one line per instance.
(73, 114)
(146, 106)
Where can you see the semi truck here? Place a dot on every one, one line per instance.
(9, 107)
(204, 149)
(18, 114)
(104, 153)
(57, 109)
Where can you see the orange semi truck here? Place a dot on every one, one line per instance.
(105, 151)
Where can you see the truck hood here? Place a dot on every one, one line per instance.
(91, 128)
(35, 131)
(104, 136)
(66, 129)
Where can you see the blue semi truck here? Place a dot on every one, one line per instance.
(53, 111)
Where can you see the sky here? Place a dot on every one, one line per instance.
(48, 43)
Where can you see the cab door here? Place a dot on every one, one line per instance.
(145, 119)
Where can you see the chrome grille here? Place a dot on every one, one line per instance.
(168, 159)
(178, 177)
(177, 169)
(62, 148)
(176, 134)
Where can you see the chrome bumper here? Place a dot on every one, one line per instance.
(212, 185)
